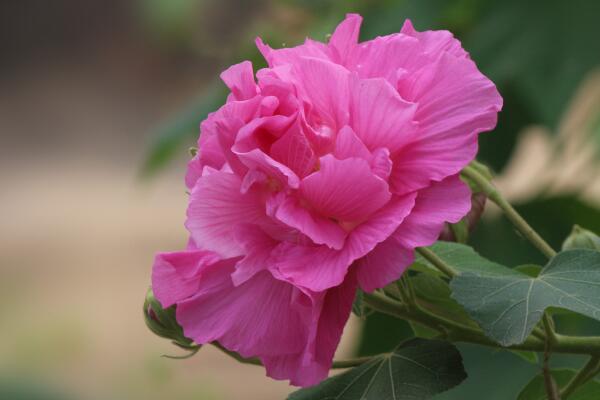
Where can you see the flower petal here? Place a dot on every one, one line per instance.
(319, 267)
(277, 57)
(345, 38)
(243, 318)
(325, 87)
(333, 190)
(379, 116)
(456, 102)
(435, 42)
(320, 230)
(385, 264)
(239, 78)
(257, 246)
(216, 207)
(445, 201)
(348, 145)
(326, 330)
(386, 57)
(175, 275)
(293, 150)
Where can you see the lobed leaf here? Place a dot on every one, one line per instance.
(417, 369)
(508, 306)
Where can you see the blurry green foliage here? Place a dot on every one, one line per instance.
(23, 388)
(171, 20)
(535, 389)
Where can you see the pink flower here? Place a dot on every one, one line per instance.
(321, 177)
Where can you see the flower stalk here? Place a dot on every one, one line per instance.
(522, 226)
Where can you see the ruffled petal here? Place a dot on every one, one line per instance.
(445, 201)
(435, 42)
(348, 145)
(176, 275)
(381, 163)
(209, 154)
(257, 246)
(290, 55)
(344, 39)
(216, 207)
(254, 143)
(260, 317)
(385, 264)
(320, 267)
(333, 190)
(324, 86)
(239, 78)
(379, 116)
(327, 326)
(456, 102)
(227, 122)
(387, 57)
(320, 230)
(293, 150)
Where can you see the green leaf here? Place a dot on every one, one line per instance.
(528, 356)
(381, 333)
(532, 270)
(535, 389)
(508, 306)
(181, 130)
(462, 258)
(417, 369)
(434, 295)
(422, 331)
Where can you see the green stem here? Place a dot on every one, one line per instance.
(236, 356)
(586, 373)
(514, 217)
(437, 262)
(337, 364)
(549, 328)
(456, 332)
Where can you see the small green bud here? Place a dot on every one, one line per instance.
(163, 323)
(581, 239)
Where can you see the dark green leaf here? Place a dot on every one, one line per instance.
(382, 333)
(508, 306)
(535, 389)
(532, 270)
(417, 369)
(462, 258)
(528, 356)
(434, 295)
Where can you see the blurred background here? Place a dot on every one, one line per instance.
(100, 100)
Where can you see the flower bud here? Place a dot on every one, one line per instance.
(581, 239)
(163, 323)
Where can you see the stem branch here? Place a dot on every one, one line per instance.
(586, 373)
(514, 217)
(437, 262)
(337, 364)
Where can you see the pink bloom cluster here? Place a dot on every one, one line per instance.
(320, 177)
